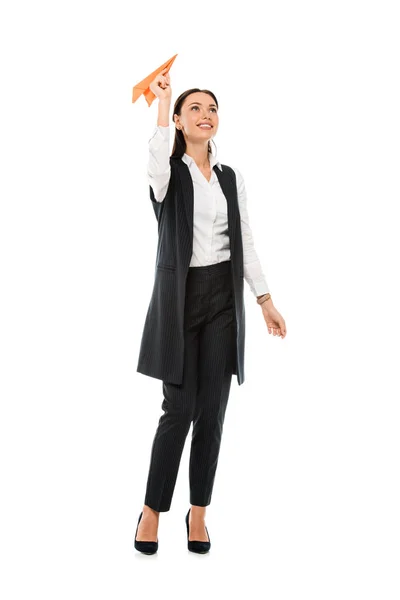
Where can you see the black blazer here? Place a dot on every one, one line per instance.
(162, 343)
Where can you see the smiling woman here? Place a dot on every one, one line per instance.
(195, 110)
(194, 331)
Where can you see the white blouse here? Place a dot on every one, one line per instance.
(210, 216)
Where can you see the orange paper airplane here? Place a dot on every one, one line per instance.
(143, 86)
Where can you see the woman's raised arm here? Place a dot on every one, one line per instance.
(158, 167)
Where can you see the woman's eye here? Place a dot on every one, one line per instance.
(214, 109)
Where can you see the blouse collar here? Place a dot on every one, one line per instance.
(213, 160)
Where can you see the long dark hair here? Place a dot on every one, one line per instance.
(179, 147)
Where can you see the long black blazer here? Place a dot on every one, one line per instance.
(162, 344)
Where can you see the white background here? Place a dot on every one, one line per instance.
(306, 497)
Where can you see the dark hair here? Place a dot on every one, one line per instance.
(179, 147)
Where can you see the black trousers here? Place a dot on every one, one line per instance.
(210, 352)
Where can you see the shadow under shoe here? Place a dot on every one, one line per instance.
(145, 547)
(194, 545)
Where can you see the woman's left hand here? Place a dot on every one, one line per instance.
(273, 319)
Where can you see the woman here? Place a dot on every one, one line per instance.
(193, 337)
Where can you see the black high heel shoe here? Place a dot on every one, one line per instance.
(194, 545)
(145, 547)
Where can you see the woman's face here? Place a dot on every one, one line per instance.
(198, 108)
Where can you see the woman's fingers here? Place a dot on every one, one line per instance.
(161, 85)
(163, 81)
(164, 76)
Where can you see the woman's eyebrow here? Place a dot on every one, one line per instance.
(200, 104)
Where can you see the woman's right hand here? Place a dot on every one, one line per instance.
(161, 85)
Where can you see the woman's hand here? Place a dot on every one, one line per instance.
(161, 85)
(273, 319)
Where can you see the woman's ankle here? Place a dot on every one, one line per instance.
(147, 510)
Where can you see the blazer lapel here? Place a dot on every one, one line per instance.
(228, 187)
(188, 193)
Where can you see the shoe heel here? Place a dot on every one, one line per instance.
(145, 547)
(194, 545)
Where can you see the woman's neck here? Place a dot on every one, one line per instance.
(199, 155)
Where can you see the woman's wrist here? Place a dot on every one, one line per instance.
(264, 298)
(163, 112)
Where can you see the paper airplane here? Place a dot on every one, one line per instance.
(143, 86)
